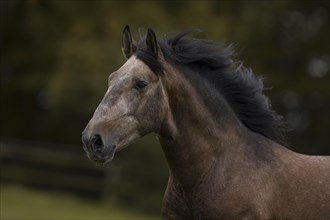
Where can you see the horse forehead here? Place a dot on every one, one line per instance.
(133, 66)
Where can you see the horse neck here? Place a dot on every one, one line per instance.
(193, 137)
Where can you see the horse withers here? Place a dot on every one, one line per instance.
(224, 144)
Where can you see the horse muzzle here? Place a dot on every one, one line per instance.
(97, 148)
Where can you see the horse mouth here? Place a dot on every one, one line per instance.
(102, 156)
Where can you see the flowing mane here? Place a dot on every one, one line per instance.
(240, 87)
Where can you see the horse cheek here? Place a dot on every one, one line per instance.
(150, 114)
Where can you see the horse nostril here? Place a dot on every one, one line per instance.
(96, 141)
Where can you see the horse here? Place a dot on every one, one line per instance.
(225, 146)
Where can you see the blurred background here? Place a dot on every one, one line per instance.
(55, 60)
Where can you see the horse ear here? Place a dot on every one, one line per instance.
(127, 44)
(151, 41)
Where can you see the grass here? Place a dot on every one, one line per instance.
(25, 204)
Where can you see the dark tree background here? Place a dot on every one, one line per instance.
(56, 57)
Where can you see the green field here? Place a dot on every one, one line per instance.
(23, 204)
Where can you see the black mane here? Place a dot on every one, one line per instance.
(240, 87)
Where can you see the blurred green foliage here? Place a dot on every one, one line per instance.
(56, 57)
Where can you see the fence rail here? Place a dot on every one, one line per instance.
(54, 166)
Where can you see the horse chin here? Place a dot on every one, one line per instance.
(104, 156)
(100, 161)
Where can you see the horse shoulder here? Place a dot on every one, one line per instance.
(303, 185)
(175, 203)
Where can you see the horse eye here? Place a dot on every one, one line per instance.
(140, 84)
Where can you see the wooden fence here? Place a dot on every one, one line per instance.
(52, 166)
